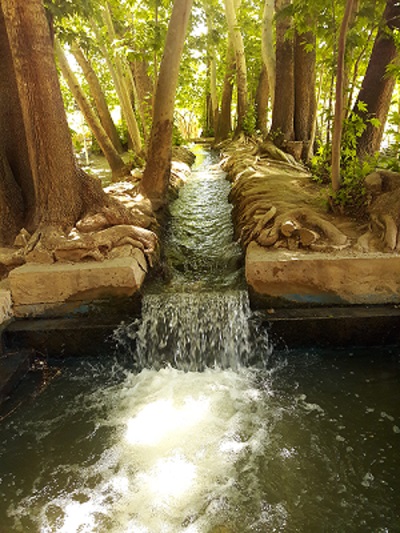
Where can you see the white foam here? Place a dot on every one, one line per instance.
(172, 463)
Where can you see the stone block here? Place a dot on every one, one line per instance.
(37, 284)
(321, 278)
(5, 306)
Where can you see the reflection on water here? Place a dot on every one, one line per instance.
(310, 443)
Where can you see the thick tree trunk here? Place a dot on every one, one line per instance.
(37, 156)
(48, 141)
(282, 128)
(339, 98)
(117, 165)
(99, 99)
(157, 172)
(377, 87)
(261, 101)
(16, 197)
(224, 124)
(241, 68)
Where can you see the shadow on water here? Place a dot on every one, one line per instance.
(196, 424)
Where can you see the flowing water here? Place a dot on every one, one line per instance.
(196, 425)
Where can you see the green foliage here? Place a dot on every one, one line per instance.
(351, 196)
(390, 158)
(249, 124)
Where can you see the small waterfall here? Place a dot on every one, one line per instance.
(190, 331)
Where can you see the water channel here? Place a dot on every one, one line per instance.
(189, 422)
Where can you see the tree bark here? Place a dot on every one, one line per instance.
(241, 68)
(339, 98)
(117, 75)
(97, 93)
(377, 87)
(305, 103)
(224, 124)
(37, 154)
(267, 46)
(157, 171)
(282, 128)
(15, 172)
(213, 76)
(261, 101)
(117, 165)
(145, 91)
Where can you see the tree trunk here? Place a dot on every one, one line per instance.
(282, 128)
(267, 46)
(304, 84)
(36, 148)
(261, 101)
(100, 101)
(377, 87)
(15, 172)
(224, 124)
(116, 72)
(241, 68)
(145, 91)
(157, 172)
(339, 98)
(117, 165)
(213, 75)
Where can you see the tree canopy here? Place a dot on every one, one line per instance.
(266, 70)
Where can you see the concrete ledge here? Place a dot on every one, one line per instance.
(281, 277)
(36, 286)
(332, 327)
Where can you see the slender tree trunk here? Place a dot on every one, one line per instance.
(338, 118)
(145, 91)
(305, 78)
(224, 125)
(241, 68)
(282, 128)
(117, 74)
(377, 87)
(261, 101)
(100, 101)
(117, 165)
(267, 46)
(213, 74)
(157, 172)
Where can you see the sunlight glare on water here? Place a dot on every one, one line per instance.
(172, 459)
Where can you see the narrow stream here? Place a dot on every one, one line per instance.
(196, 425)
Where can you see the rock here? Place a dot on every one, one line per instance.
(40, 255)
(22, 239)
(11, 257)
(92, 223)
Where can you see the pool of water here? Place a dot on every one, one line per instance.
(301, 442)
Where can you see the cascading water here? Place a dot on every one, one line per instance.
(189, 436)
(200, 318)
